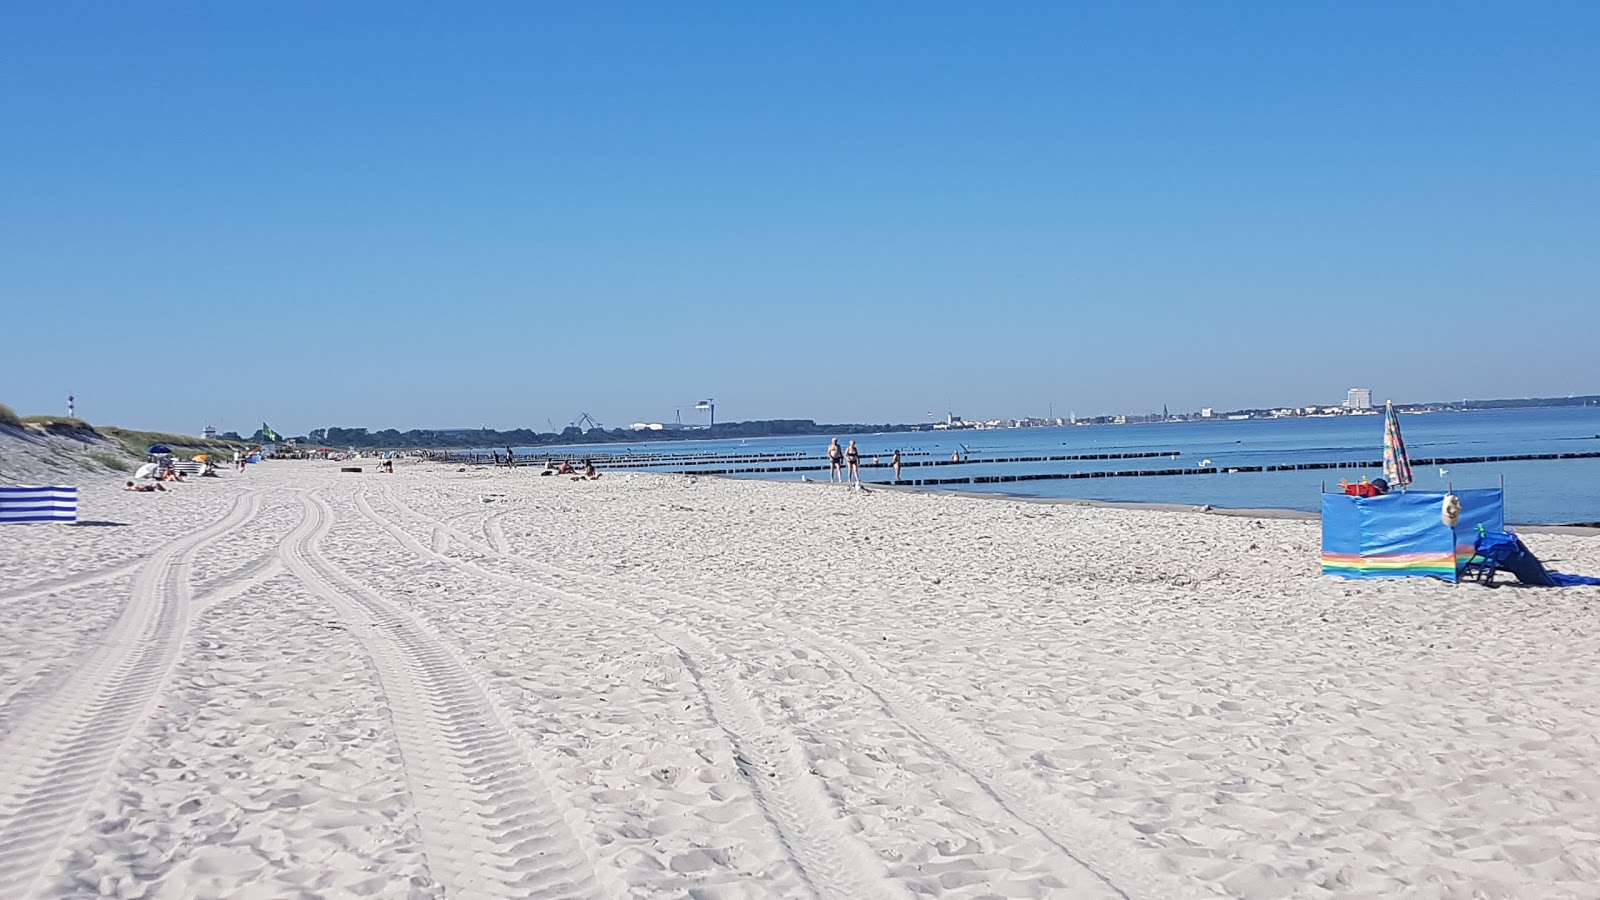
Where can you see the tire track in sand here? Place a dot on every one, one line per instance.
(250, 575)
(54, 758)
(833, 862)
(1087, 840)
(70, 582)
(495, 533)
(491, 827)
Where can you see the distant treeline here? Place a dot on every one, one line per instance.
(1523, 403)
(389, 438)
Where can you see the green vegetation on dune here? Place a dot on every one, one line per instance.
(129, 441)
(135, 442)
(56, 422)
(114, 462)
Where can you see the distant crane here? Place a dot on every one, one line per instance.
(711, 406)
(587, 423)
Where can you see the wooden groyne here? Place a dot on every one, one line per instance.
(821, 464)
(1215, 470)
(802, 463)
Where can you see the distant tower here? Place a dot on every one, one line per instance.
(711, 407)
(72, 407)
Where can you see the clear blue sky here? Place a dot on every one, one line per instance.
(421, 215)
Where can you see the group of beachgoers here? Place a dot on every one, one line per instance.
(162, 469)
(583, 472)
(844, 463)
(149, 477)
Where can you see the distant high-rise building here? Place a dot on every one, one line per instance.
(1205, 412)
(1358, 398)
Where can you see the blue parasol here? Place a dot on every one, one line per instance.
(158, 449)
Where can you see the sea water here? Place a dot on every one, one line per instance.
(1537, 491)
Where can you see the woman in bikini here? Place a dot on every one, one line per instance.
(852, 456)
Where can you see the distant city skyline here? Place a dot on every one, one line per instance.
(515, 214)
(951, 420)
(698, 418)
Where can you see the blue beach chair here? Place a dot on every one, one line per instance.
(1491, 552)
(1502, 551)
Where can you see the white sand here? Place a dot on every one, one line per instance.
(299, 683)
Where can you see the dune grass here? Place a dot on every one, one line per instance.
(131, 441)
(113, 461)
(135, 442)
(62, 421)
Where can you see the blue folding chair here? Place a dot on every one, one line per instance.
(1502, 551)
(1492, 552)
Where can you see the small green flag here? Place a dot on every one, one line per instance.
(271, 435)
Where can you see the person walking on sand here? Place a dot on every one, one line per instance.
(835, 462)
(852, 457)
(896, 463)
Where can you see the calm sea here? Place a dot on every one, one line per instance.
(1537, 492)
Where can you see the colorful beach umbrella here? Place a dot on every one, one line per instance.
(1396, 464)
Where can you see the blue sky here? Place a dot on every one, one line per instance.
(408, 215)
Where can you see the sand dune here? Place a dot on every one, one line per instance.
(300, 683)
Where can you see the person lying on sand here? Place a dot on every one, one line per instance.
(144, 488)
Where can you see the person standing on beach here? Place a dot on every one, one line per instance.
(835, 462)
(852, 457)
(896, 463)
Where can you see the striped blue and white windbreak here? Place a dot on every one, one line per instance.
(38, 504)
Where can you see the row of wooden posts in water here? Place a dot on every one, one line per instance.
(807, 464)
(1213, 470)
(820, 463)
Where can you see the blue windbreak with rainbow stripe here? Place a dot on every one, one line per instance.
(1404, 535)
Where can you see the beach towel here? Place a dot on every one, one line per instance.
(38, 504)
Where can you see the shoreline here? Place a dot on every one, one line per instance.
(1573, 529)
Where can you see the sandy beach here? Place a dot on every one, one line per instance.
(297, 682)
